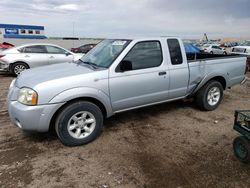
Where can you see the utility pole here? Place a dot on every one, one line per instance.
(73, 32)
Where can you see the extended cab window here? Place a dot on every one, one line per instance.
(145, 55)
(34, 49)
(175, 51)
(55, 50)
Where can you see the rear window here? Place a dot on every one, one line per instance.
(175, 51)
(34, 49)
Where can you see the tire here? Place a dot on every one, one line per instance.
(17, 68)
(74, 126)
(211, 52)
(209, 96)
(224, 53)
(241, 147)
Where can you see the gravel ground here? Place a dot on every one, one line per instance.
(168, 145)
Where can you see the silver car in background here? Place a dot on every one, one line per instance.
(214, 49)
(16, 60)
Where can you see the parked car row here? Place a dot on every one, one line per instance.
(16, 59)
(225, 48)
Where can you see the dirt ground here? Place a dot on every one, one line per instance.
(168, 145)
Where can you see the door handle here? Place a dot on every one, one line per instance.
(162, 73)
(51, 57)
(27, 56)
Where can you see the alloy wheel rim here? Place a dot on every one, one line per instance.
(19, 68)
(213, 96)
(81, 125)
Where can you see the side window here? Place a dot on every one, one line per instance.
(145, 55)
(175, 51)
(34, 49)
(55, 50)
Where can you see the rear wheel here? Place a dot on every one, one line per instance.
(17, 68)
(209, 96)
(241, 148)
(79, 123)
(224, 53)
(211, 52)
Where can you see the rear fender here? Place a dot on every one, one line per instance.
(210, 77)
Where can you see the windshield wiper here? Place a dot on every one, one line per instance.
(89, 63)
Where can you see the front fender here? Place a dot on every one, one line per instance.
(75, 93)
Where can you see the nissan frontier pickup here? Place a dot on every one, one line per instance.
(117, 75)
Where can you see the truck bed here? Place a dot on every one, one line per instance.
(231, 67)
(204, 56)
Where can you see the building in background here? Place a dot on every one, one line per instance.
(22, 31)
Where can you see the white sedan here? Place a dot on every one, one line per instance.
(17, 59)
(214, 49)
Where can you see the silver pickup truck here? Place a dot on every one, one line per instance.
(115, 76)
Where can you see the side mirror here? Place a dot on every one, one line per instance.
(125, 66)
(67, 54)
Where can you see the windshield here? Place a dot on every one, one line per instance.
(247, 43)
(105, 53)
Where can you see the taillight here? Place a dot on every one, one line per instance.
(2, 56)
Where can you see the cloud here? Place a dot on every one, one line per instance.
(67, 7)
(112, 18)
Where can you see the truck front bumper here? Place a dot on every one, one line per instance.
(32, 118)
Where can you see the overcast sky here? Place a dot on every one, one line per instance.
(117, 18)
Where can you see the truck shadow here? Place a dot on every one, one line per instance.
(146, 112)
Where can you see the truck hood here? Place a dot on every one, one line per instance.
(32, 77)
(50, 81)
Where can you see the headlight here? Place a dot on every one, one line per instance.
(27, 96)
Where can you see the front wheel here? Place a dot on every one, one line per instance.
(209, 96)
(79, 123)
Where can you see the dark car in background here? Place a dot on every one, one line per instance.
(5, 45)
(83, 49)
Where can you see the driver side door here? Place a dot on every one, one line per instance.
(146, 82)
